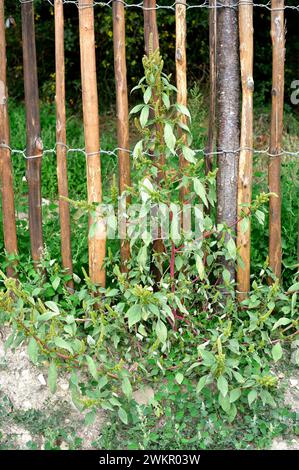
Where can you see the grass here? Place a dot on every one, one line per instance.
(77, 179)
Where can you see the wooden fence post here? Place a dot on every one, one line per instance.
(228, 119)
(150, 24)
(34, 142)
(245, 159)
(278, 45)
(151, 35)
(212, 103)
(97, 240)
(120, 69)
(181, 75)
(8, 206)
(61, 150)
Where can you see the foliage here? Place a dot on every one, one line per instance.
(184, 328)
(197, 49)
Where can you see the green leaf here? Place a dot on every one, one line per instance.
(189, 154)
(232, 413)
(231, 248)
(281, 321)
(52, 377)
(277, 352)
(56, 283)
(144, 116)
(134, 315)
(123, 415)
(166, 101)
(208, 359)
(102, 382)
(252, 395)
(234, 394)
(200, 191)
(244, 225)
(226, 276)
(142, 257)
(183, 110)
(47, 316)
(33, 350)
(260, 217)
(161, 331)
(92, 367)
(294, 287)
(137, 152)
(201, 383)
(169, 137)
(222, 385)
(179, 377)
(224, 402)
(90, 417)
(136, 109)
(52, 306)
(127, 388)
(147, 94)
(61, 343)
(238, 377)
(200, 267)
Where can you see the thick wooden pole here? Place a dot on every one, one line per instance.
(212, 79)
(245, 159)
(61, 151)
(228, 119)
(97, 240)
(120, 69)
(278, 51)
(150, 25)
(8, 206)
(181, 75)
(34, 142)
(151, 40)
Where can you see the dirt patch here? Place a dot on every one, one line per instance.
(27, 405)
(291, 399)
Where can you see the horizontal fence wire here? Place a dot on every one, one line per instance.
(114, 152)
(171, 6)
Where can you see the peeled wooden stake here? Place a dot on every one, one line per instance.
(34, 148)
(181, 75)
(61, 151)
(120, 69)
(245, 159)
(8, 206)
(97, 240)
(278, 56)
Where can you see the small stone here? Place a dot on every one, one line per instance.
(64, 446)
(294, 383)
(41, 379)
(25, 374)
(64, 386)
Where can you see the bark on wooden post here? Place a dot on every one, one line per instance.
(8, 206)
(278, 45)
(61, 151)
(150, 24)
(212, 98)
(34, 148)
(181, 75)
(151, 39)
(120, 69)
(245, 160)
(97, 240)
(228, 97)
